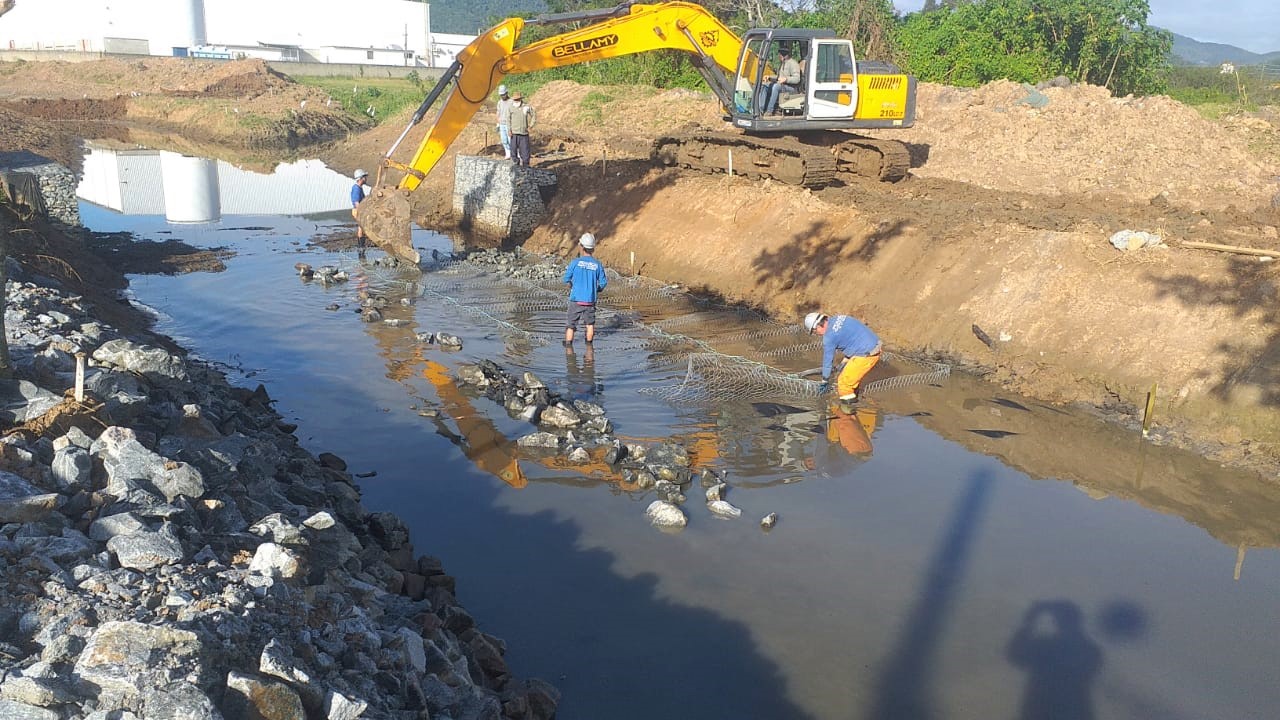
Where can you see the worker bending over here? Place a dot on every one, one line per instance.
(586, 278)
(859, 345)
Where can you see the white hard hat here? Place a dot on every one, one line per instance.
(813, 320)
(587, 241)
(359, 174)
(502, 89)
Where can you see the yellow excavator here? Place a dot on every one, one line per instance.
(802, 145)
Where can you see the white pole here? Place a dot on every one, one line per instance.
(80, 377)
(731, 162)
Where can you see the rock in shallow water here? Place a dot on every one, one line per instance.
(723, 509)
(665, 515)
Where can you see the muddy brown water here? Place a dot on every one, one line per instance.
(983, 556)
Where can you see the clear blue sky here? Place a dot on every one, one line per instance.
(1250, 24)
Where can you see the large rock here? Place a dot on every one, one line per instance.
(251, 696)
(125, 459)
(665, 515)
(22, 502)
(275, 561)
(121, 656)
(147, 549)
(71, 466)
(10, 710)
(180, 701)
(21, 401)
(150, 362)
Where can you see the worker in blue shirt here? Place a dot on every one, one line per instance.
(859, 345)
(357, 196)
(585, 277)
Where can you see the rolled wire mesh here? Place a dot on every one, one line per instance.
(715, 376)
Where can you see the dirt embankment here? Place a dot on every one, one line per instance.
(1003, 225)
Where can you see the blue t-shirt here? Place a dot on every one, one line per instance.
(357, 194)
(586, 277)
(847, 335)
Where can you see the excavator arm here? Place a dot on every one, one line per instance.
(627, 29)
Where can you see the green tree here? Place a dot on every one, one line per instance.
(870, 24)
(1103, 42)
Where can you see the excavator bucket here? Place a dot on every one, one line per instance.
(384, 217)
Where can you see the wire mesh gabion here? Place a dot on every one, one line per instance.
(710, 373)
(716, 376)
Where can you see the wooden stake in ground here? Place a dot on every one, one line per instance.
(1229, 248)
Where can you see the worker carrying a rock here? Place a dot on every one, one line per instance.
(859, 345)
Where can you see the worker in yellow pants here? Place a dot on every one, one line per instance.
(859, 345)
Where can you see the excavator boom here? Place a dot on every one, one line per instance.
(839, 96)
(624, 30)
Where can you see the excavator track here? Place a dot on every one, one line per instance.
(787, 160)
(780, 159)
(887, 160)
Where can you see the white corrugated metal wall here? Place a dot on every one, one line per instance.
(86, 25)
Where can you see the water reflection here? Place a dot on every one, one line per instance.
(898, 582)
(139, 181)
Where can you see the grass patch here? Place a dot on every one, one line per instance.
(386, 96)
(591, 108)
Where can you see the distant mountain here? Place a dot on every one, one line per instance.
(1188, 51)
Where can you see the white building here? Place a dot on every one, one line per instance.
(382, 32)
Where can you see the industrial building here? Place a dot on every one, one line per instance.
(374, 32)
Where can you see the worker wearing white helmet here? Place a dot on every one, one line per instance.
(859, 345)
(586, 278)
(357, 197)
(504, 120)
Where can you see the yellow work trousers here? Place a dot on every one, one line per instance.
(855, 368)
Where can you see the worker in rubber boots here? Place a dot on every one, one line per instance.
(357, 196)
(586, 278)
(859, 345)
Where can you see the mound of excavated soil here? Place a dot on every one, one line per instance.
(1085, 142)
(111, 77)
(624, 110)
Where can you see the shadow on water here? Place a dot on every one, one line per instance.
(1060, 660)
(905, 688)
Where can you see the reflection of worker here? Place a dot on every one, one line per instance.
(504, 120)
(522, 119)
(357, 197)
(586, 278)
(847, 444)
(853, 430)
(859, 345)
(788, 79)
(581, 379)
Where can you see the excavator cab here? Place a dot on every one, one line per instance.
(827, 91)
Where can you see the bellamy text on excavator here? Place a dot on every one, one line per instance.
(803, 145)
